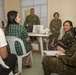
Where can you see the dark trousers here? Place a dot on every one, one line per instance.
(10, 61)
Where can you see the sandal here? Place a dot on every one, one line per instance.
(27, 66)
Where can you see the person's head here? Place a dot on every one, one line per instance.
(32, 12)
(56, 15)
(13, 17)
(67, 25)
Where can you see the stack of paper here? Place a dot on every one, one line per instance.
(53, 53)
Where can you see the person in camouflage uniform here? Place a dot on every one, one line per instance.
(55, 26)
(67, 40)
(32, 19)
(63, 65)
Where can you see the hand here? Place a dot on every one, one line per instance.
(57, 55)
(28, 40)
(52, 44)
(60, 49)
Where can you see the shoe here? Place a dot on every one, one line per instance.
(17, 73)
(26, 66)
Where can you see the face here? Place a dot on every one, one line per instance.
(67, 26)
(31, 12)
(56, 16)
(18, 19)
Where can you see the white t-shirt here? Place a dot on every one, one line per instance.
(2, 39)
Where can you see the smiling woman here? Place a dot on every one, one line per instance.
(63, 65)
(67, 40)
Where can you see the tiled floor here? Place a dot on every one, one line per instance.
(37, 67)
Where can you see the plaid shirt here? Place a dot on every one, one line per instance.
(20, 32)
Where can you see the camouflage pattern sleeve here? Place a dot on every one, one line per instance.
(70, 57)
(59, 25)
(67, 40)
(51, 26)
(38, 21)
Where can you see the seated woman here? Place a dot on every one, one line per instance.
(55, 26)
(14, 29)
(7, 58)
(67, 40)
(63, 65)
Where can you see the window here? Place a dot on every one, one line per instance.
(41, 9)
(1, 10)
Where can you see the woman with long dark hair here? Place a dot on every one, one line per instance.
(14, 29)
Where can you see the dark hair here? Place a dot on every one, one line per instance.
(56, 13)
(70, 22)
(31, 9)
(11, 16)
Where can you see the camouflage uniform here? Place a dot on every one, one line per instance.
(32, 20)
(66, 42)
(56, 25)
(63, 65)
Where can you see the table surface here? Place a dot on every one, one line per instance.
(38, 34)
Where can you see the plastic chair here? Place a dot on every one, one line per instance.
(11, 41)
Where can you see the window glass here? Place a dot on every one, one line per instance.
(40, 7)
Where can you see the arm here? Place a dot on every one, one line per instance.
(3, 52)
(70, 57)
(38, 21)
(67, 40)
(50, 26)
(58, 25)
(25, 34)
(3, 43)
(28, 40)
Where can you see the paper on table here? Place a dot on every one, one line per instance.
(53, 53)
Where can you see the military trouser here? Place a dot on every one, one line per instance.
(53, 37)
(55, 65)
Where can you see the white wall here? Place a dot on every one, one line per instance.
(66, 9)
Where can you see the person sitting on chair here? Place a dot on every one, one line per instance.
(14, 29)
(55, 26)
(67, 40)
(63, 64)
(7, 61)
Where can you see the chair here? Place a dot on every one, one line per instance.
(11, 41)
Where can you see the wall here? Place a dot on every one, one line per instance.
(66, 9)
(11, 5)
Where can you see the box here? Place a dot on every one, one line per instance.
(36, 46)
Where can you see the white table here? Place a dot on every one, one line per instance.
(40, 39)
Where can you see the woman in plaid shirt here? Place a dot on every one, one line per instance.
(14, 29)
